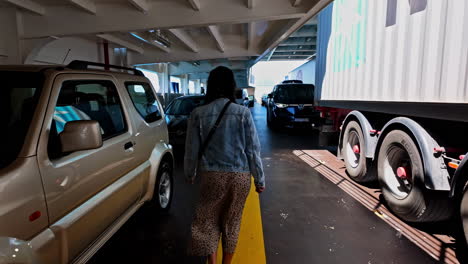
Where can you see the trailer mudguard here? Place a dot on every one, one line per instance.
(436, 176)
(370, 141)
(458, 177)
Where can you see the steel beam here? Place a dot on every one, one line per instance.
(28, 5)
(250, 34)
(141, 5)
(152, 43)
(195, 4)
(296, 2)
(185, 38)
(299, 41)
(214, 31)
(297, 25)
(250, 4)
(121, 42)
(297, 48)
(85, 5)
(271, 54)
(162, 15)
(294, 53)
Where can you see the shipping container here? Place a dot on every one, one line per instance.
(395, 57)
(392, 74)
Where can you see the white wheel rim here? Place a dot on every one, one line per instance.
(397, 156)
(352, 157)
(164, 190)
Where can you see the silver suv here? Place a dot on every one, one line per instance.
(81, 151)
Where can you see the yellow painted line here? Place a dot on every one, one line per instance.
(251, 246)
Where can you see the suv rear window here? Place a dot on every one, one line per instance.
(87, 100)
(294, 93)
(19, 95)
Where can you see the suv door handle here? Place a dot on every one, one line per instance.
(128, 145)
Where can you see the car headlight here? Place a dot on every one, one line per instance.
(281, 105)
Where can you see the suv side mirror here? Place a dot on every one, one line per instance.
(270, 95)
(81, 135)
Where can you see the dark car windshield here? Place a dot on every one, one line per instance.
(184, 106)
(295, 94)
(19, 93)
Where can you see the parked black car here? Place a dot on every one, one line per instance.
(177, 114)
(292, 105)
(264, 99)
(242, 97)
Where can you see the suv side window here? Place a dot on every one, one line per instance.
(144, 100)
(87, 100)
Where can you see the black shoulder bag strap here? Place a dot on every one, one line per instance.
(213, 129)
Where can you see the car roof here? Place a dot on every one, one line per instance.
(292, 81)
(76, 67)
(295, 84)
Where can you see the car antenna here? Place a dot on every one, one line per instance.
(66, 55)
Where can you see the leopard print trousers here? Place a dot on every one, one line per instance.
(218, 212)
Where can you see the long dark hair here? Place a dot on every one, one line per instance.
(221, 84)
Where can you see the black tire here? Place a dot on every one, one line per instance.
(164, 173)
(273, 124)
(464, 212)
(357, 164)
(408, 198)
(270, 123)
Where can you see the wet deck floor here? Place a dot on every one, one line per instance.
(306, 217)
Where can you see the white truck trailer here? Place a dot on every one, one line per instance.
(399, 70)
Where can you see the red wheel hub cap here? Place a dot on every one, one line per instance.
(402, 172)
(356, 149)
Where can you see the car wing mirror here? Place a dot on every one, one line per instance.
(270, 95)
(81, 135)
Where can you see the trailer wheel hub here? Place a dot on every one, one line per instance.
(356, 149)
(402, 173)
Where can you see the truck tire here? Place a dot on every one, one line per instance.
(353, 153)
(464, 211)
(164, 188)
(400, 173)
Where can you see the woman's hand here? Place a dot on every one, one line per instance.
(259, 189)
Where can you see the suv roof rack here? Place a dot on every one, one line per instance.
(83, 65)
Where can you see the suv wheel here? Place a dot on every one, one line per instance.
(164, 188)
(271, 122)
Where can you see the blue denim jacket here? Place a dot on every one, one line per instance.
(234, 146)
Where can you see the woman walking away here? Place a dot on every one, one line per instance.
(223, 150)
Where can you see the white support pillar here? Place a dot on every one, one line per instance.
(10, 33)
(165, 82)
(184, 79)
(197, 86)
